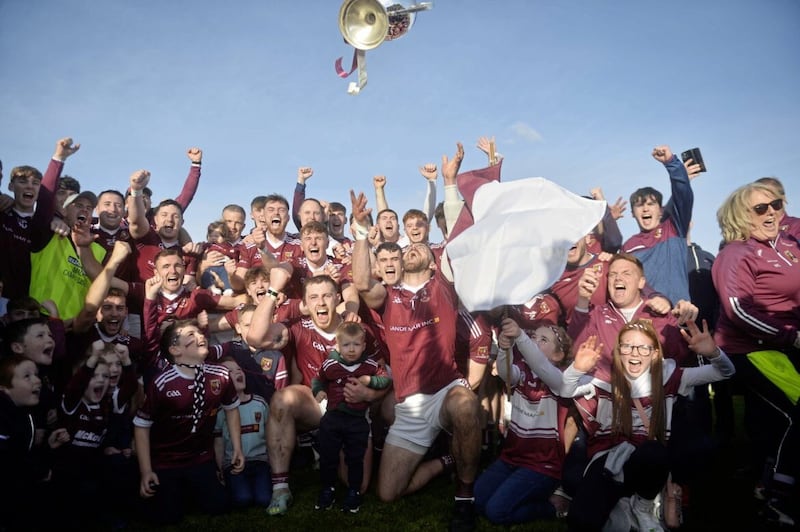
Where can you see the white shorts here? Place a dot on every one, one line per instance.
(416, 420)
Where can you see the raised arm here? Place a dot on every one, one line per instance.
(681, 200)
(264, 333)
(452, 201)
(99, 288)
(429, 172)
(371, 291)
(379, 182)
(138, 226)
(304, 173)
(192, 180)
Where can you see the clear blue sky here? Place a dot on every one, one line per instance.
(578, 92)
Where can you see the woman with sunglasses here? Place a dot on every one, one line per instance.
(757, 276)
(630, 423)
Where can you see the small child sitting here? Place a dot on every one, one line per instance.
(345, 426)
(217, 277)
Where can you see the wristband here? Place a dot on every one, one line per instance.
(136, 193)
(359, 232)
(271, 292)
(198, 163)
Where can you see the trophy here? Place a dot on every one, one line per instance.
(365, 24)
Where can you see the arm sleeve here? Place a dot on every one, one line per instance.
(297, 200)
(681, 202)
(189, 188)
(720, 368)
(45, 206)
(611, 239)
(430, 200)
(539, 363)
(75, 388)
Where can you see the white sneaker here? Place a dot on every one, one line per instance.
(644, 519)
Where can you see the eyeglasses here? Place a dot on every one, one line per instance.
(761, 208)
(643, 350)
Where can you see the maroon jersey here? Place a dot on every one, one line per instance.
(167, 412)
(334, 375)
(226, 248)
(473, 339)
(249, 255)
(542, 309)
(127, 270)
(287, 251)
(421, 336)
(184, 305)
(19, 232)
(87, 423)
(145, 251)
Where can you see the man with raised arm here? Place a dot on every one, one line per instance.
(419, 309)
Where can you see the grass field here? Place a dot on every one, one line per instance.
(721, 500)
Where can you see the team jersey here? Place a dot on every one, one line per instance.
(421, 334)
(253, 415)
(335, 374)
(534, 439)
(167, 412)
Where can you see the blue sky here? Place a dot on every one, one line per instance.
(576, 91)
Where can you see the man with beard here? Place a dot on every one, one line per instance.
(110, 228)
(418, 307)
(310, 340)
(104, 311)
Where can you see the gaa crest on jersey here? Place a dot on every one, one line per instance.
(22, 222)
(258, 417)
(598, 268)
(424, 296)
(789, 255)
(266, 364)
(124, 235)
(657, 233)
(483, 351)
(216, 386)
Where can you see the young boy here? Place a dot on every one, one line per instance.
(174, 428)
(79, 472)
(33, 340)
(254, 484)
(345, 425)
(19, 458)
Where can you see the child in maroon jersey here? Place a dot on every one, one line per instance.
(345, 426)
(173, 429)
(83, 422)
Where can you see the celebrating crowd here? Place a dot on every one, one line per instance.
(142, 368)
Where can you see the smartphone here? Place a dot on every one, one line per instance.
(695, 155)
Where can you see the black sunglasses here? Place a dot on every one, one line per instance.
(761, 208)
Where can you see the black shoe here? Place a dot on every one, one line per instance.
(326, 499)
(352, 502)
(463, 517)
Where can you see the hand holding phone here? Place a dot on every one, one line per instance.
(696, 157)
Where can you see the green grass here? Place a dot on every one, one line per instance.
(721, 499)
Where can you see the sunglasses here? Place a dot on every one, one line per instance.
(761, 208)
